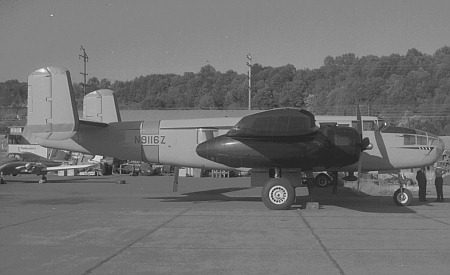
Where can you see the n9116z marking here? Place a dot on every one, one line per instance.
(150, 139)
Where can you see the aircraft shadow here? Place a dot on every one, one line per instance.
(345, 199)
(217, 195)
(36, 180)
(27, 179)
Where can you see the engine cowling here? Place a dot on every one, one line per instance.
(283, 138)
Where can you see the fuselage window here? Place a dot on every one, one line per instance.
(368, 125)
(409, 139)
(421, 140)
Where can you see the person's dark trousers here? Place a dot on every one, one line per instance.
(438, 182)
(422, 191)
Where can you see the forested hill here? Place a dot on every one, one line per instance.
(414, 83)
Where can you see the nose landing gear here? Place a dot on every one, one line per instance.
(402, 196)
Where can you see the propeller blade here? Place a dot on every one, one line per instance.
(359, 172)
(359, 126)
(360, 130)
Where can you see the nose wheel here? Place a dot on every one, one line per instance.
(402, 197)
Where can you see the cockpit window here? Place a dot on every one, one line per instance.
(433, 140)
(409, 139)
(411, 136)
(398, 130)
(368, 125)
(422, 140)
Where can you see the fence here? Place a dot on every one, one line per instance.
(389, 112)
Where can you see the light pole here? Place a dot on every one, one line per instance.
(85, 59)
(249, 64)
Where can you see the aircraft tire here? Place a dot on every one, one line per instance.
(403, 199)
(322, 180)
(278, 194)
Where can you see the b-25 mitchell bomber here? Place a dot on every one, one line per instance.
(270, 140)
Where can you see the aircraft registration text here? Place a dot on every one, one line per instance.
(150, 139)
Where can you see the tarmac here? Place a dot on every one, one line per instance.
(92, 225)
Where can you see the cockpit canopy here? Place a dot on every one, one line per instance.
(412, 136)
(275, 123)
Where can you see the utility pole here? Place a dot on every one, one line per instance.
(249, 64)
(85, 59)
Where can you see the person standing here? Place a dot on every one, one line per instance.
(422, 182)
(438, 183)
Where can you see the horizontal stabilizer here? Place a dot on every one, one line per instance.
(52, 112)
(101, 106)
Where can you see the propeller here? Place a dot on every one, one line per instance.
(365, 145)
(365, 142)
(359, 127)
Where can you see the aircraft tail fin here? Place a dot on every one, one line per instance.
(52, 112)
(101, 106)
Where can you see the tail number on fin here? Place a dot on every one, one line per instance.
(150, 139)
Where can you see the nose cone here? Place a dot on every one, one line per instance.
(202, 149)
(211, 148)
(221, 149)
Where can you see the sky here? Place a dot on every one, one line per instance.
(127, 39)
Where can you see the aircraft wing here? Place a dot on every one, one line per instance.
(33, 168)
(67, 167)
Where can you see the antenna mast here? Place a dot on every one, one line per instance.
(85, 59)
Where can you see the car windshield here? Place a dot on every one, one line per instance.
(15, 156)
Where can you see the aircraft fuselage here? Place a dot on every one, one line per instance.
(175, 142)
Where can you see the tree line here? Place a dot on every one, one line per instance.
(412, 84)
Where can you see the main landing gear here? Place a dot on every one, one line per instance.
(278, 194)
(43, 179)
